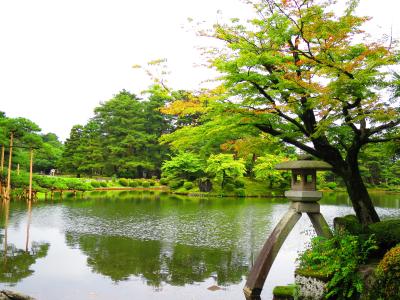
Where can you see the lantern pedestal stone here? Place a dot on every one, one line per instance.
(304, 199)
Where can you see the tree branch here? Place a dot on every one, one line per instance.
(389, 125)
(278, 111)
(383, 140)
(268, 129)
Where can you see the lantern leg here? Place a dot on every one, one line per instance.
(265, 259)
(320, 225)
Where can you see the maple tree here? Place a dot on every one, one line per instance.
(314, 79)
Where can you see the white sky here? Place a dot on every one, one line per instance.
(60, 58)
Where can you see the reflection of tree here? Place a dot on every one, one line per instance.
(17, 262)
(121, 257)
(191, 264)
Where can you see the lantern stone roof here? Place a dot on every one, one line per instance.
(304, 164)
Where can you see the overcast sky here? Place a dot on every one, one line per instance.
(60, 58)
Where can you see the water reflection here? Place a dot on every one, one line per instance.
(157, 262)
(169, 239)
(167, 247)
(16, 263)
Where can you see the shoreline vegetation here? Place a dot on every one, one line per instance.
(58, 187)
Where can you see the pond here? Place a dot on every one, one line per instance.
(143, 245)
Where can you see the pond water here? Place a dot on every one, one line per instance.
(142, 245)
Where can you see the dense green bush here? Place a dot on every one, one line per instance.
(229, 187)
(60, 184)
(103, 183)
(387, 284)
(387, 232)
(152, 182)
(240, 192)
(133, 183)
(146, 184)
(164, 181)
(239, 183)
(95, 184)
(175, 183)
(140, 182)
(78, 185)
(331, 185)
(338, 260)
(123, 181)
(188, 185)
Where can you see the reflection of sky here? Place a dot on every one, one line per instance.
(65, 274)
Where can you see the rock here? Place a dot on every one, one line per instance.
(214, 288)
(10, 295)
(348, 223)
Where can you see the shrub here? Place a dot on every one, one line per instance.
(174, 184)
(239, 183)
(123, 181)
(140, 182)
(240, 193)
(152, 182)
(338, 259)
(133, 183)
(331, 185)
(146, 184)
(95, 184)
(164, 181)
(387, 232)
(388, 276)
(229, 187)
(103, 183)
(188, 185)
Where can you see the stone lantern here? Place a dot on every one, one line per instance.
(304, 199)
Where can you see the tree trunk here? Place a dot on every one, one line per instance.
(359, 196)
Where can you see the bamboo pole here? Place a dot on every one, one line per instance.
(18, 169)
(30, 176)
(9, 167)
(2, 158)
(1, 171)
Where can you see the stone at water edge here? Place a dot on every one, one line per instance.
(10, 295)
(214, 288)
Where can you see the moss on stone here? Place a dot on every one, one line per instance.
(286, 291)
(387, 233)
(348, 223)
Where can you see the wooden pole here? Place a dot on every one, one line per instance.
(2, 158)
(9, 167)
(30, 176)
(18, 169)
(1, 171)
